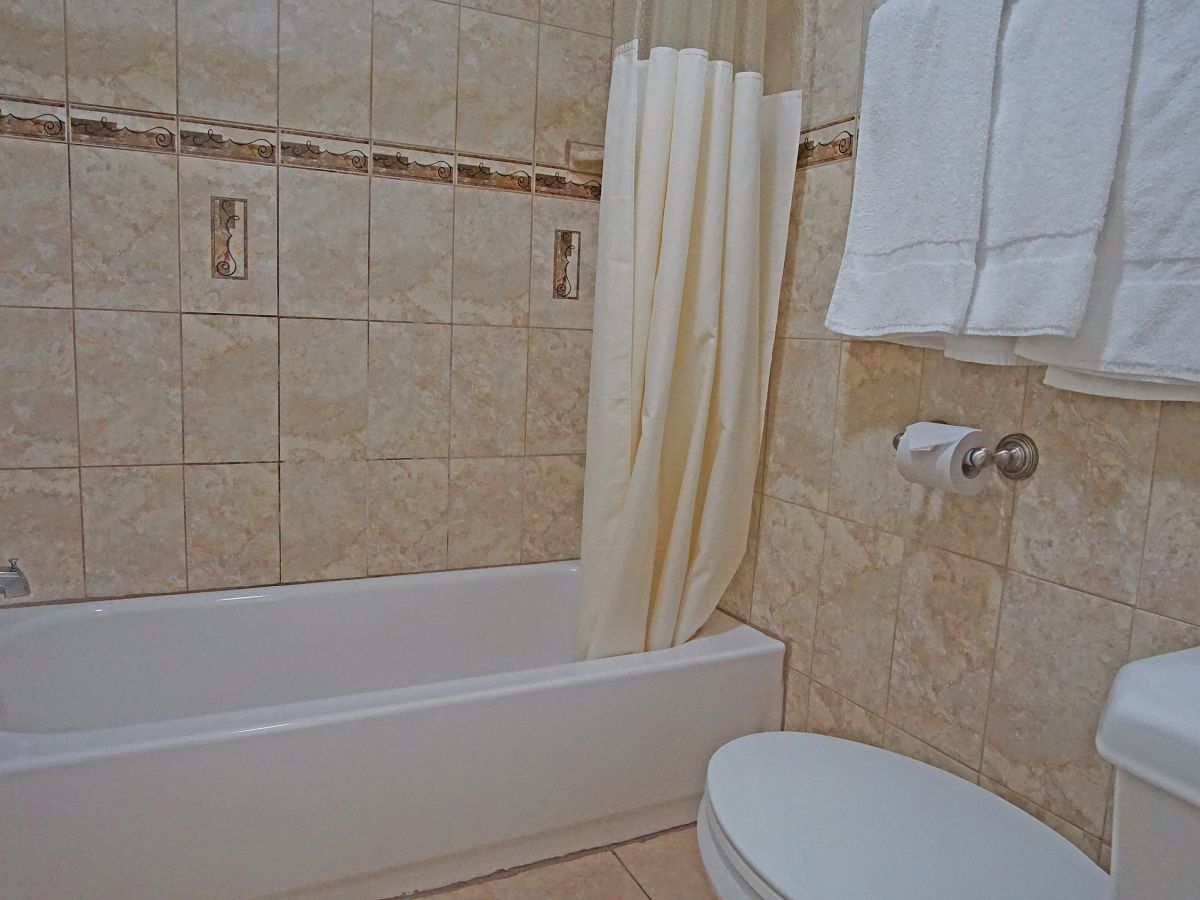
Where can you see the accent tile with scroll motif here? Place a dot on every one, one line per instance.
(37, 389)
(552, 303)
(312, 151)
(126, 253)
(230, 388)
(497, 75)
(227, 237)
(227, 59)
(40, 525)
(34, 120)
(130, 407)
(488, 379)
(133, 530)
(559, 367)
(122, 54)
(323, 520)
(415, 70)
(323, 228)
(485, 512)
(220, 140)
(325, 66)
(32, 49)
(409, 408)
(491, 257)
(407, 512)
(232, 525)
(35, 266)
(572, 95)
(828, 144)
(412, 244)
(499, 174)
(100, 127)
(553, 508)
(412, 163)
(322, 389)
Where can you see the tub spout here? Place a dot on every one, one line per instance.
(13, 583)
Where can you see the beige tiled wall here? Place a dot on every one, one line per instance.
(390, 381)
(978, 634)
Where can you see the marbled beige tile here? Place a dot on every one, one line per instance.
(322, 389)
(230, 389)
(1081, 520)
(1170, 582)
(985, 397)
(491, 257)
(227, 59)
(796, 688)
(255, 290)
(415, 72)
(40, 525)
(786, 577)
(412, 247)
(942, 661)
(738, 597)
(553, 508)
(800, 421)
(323, 520)
(878, 397)
(133, 530)
(122, 54)
(33, 50)
(831, 54)
(593, 16)
(905, 744)
(125, 229)
(559, 368)
(128, 369)
(409, 406)
(598, 876)
(485, 512)
(407, 515)
(37, 389)
(1154, 635)
(572, 95)
(816, 239)
(550, 215)
(488, 378)
(497, 80)
(232, 514)
(524, 9)
(325, 66)
(830, 713)
(668, 866)
(35, 267)
(323, 229)
(856, 612)
(1089, 844)
(1056, 657)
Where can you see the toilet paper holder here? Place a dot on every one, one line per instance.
(1015, 456)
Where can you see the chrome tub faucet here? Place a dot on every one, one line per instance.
(13, 583)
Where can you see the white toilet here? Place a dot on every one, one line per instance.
(807, 817)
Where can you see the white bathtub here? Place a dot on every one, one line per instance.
(348, 739)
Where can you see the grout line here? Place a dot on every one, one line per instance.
(629, 872)
(278, 291)
(179, 310)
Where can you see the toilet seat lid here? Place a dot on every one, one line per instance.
(820, 817)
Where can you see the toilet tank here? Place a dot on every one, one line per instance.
(1151, 734)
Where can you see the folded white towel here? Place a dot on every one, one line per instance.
(909, 265)
(1143, 318)
(1061, 84)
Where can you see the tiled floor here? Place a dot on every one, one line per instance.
(664, 866)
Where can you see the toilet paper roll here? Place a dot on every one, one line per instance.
(932, 454)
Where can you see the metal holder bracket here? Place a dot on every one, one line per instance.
(1015, 457)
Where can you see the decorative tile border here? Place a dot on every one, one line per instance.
(215, 140)
(828, 143)
(30, 119)
(564, 183)
(109, 128)
(499, 174)
(393, 161)
(318, 152)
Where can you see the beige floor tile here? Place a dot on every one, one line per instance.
(668, 866)
(599, 876)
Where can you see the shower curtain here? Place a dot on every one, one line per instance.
(698, 174)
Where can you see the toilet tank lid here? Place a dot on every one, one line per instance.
(1151, 727)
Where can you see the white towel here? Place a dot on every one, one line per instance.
(1143, 318)
(909, 265)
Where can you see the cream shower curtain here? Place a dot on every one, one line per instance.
(698, 175)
